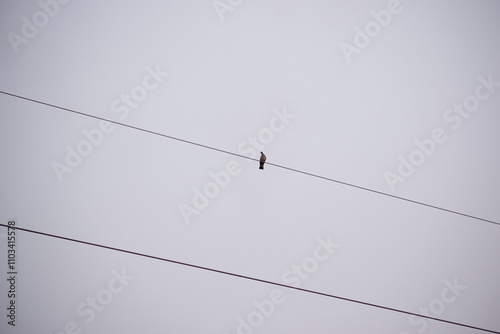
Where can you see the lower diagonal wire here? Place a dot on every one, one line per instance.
(249, 278)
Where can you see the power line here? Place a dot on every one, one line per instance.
(245, 157)
(386, 194)
(249, 278)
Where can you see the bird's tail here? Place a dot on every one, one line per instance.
(261, 167)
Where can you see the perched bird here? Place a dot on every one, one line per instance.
(262, 160)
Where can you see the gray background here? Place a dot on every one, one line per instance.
(352, 122)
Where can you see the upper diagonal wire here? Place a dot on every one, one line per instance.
(245, 157)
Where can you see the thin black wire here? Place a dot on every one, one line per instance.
(245, 157)
(248, 278)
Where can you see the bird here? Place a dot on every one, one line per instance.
(262, 160)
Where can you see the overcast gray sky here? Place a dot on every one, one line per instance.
(401, 97)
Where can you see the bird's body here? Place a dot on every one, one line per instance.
(262, 160)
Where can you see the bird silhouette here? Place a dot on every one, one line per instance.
(262, 160)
